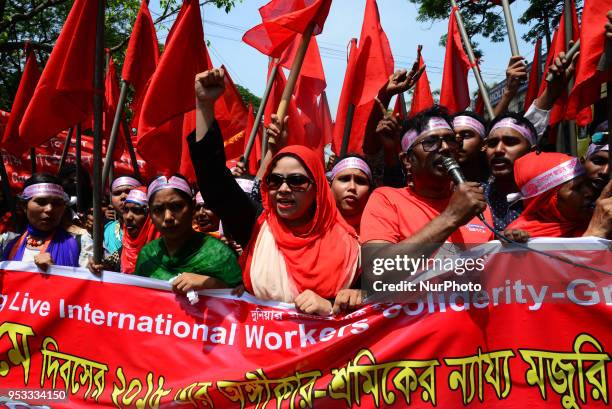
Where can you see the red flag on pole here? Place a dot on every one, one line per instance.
(296, 131)
(532, 87)
(64, 94)
(374, 59)
(455, 92)
(255, 155)
(111, 100)
(231, 114)
(422, 98)
(311, 82)
(345, 100)
(31, 74)
(171, 91)
(587, 86)
(325, 121)
(141, 58)
(282, 21)
(558, 112)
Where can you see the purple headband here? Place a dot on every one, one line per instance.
(594, 148)
(469, 122)
(512, 124)
(434, 124)
(137, 196)
(125, 181)
(164, 183)
(44, 189)
(350, 163)
(198, 198)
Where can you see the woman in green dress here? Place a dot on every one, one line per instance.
(199, 260)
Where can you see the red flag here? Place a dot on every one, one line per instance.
(296, 131)
(311, 82)
(532, 87)
(64, 94)
(111, 101)
(231, 114)
(558, 112)
(422, 98)
(326, 125)
(374, 60)
(171, 91)
(31, 74)
(455, 92)
(587, 86)
(343, 103)
(282, 21)
(141, 58)
(255, 155)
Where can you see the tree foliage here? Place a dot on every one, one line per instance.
(40, 22)
(248, 97)
(482, 17)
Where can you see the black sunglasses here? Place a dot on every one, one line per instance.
(296, 181)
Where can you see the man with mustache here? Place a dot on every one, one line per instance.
(511, 136)
(417, 219)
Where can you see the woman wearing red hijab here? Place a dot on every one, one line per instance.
(138, 229)
(298, 249)
(558, 198)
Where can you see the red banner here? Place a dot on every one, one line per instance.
(48, 157)
(127, 341)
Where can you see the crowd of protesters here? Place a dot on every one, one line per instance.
(294, 232)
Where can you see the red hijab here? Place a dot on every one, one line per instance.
(541, 217)
(320, 255)
(132, 246)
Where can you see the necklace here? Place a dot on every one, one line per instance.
(33, 242)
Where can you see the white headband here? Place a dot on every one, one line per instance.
(552, 178)
(434, 124)
(44, 189)
(125, 181)
(164, 183)
(469, 122)
(245, 184)
(137, 196)
(350, 163)
(512, 124)
(594, 148)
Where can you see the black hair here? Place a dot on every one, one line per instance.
(42, 178)
(519, 118)
(472, 114)
(84, 192)
(420, 120)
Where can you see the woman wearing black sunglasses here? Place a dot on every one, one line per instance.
(299, 249)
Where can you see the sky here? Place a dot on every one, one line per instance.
(248, 67)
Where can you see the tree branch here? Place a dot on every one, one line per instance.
(19, 45)
(25, 16)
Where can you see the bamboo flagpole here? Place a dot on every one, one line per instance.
(108, 160)
(97, 141)
(510, 26)
(260, 112)
(281, 112)
(470, 52)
